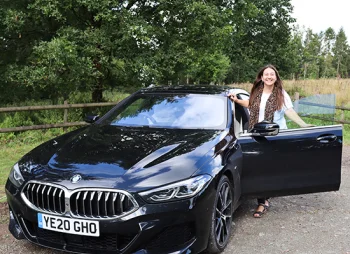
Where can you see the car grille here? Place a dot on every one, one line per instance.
(44, 197)
(96, 203)
(84, 203)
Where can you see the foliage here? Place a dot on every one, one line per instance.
(85, 45)
(29, 118)
(50, 49)
(323, 55)
(261, 35)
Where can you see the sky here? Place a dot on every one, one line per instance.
(321, 14)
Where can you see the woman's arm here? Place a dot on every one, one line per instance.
(233, 97)
(292, 115)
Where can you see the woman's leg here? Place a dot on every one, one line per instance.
(263, 205)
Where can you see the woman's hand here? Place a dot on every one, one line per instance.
(241, 102)
(232, 97)
(307, 125)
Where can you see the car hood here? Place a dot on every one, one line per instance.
(132, 159)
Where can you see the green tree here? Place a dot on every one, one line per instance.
(311, 55)
(261, 35)
(61, 46)
(293, 56)
(328, 39)
(341, 54)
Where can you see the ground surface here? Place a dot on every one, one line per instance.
(305, 224)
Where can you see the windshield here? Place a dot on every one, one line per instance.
(188, 111)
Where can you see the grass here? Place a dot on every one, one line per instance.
(9, 154)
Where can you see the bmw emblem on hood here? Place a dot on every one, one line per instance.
(75, 178)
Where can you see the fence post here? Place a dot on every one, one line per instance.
(342, 112)
(65, 116)
(296, 101)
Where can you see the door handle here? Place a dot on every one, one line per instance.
(327, 138)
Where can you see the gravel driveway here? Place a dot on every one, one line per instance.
(305, 224)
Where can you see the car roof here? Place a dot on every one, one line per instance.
(200, 89)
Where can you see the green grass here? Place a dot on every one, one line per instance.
(9, 154)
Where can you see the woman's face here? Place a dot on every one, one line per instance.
(269, 77)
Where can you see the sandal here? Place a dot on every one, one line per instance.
(258, 214)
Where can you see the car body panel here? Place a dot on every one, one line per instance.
(295, 161)
(132, 159)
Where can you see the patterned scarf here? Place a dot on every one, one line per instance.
(271, 106)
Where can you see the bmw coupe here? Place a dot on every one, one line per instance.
(163, 172)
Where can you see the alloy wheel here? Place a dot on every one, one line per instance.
(223, 216)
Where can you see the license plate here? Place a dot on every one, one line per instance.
(68, 225)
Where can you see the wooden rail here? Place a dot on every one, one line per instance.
(64, 106)
(67, 106)
(65, 123)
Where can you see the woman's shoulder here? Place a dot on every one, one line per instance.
(285, 92)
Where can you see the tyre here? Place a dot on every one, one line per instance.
(221, 219)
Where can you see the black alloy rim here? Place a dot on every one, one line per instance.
(223, 217)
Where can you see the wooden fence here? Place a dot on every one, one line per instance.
(65, 123)
(67, 106)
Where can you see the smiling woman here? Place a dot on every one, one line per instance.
(268, 102)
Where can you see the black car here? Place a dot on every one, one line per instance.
(163, 172)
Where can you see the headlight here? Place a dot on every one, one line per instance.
(176, 191)
(15, 176)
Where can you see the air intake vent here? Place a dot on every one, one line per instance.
(101, 203)
(45, 197)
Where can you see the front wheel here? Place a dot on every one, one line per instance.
(221, 219)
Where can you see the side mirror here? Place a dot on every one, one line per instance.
(265, 128)
(91, 118)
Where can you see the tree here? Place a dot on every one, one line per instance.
(328, 40)
(311, 55)
(292, 59)
(61, 46)
(261, 35)
(341, 54)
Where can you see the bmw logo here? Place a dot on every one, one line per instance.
(75, 178)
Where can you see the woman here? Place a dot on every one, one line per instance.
(268, 101)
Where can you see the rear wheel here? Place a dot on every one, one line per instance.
(221, 220)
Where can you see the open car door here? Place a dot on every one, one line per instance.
(294, 161)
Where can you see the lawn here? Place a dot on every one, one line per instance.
(9, 154)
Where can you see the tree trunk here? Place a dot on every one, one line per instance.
(305, 70)
(97, 93)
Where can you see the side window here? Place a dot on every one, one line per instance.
(243, 96)
(318, 110)
(242, 113)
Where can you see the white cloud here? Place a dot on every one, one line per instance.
(321, 14)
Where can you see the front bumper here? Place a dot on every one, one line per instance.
(174, 227)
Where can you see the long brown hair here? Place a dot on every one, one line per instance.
(258, 82)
